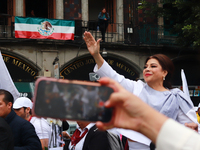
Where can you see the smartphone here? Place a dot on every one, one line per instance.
(71, 100)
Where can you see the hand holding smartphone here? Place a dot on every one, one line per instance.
(71, 100)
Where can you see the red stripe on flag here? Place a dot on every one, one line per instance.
(37, 35)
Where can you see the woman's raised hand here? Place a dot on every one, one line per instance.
(94, 48)
(92, 45)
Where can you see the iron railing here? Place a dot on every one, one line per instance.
(117, 33)
(114, 34)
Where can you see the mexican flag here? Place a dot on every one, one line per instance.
(42, 28)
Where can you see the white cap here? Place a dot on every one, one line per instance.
(195, 108)
(22, 102)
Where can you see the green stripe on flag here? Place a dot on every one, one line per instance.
(31, 20)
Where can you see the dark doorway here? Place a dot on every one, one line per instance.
(3, 7)
(94, 8)
(40, 8)
(190, 65)
(3, 10)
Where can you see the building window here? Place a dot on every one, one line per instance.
(40, 8)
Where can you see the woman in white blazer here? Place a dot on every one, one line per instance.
(156, 91)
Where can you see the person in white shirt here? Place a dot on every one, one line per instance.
(130, 112)
(22, 107)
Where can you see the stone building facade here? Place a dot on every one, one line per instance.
(28, 59)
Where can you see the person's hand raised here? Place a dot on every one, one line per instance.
(92, 45)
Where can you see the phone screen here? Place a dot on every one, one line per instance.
(72, 101)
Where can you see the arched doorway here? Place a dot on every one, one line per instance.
(80, 67)
(22, 71)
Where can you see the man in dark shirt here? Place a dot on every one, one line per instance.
(23, 131)
(6, 137)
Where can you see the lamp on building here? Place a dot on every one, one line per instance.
(56, 68)
(55, 60)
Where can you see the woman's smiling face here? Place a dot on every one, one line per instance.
(153, 72)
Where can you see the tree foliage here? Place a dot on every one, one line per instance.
(183, 15)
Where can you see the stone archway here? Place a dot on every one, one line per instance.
(20, 68)
(22, 71)
(80, 67)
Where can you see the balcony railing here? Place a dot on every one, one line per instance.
(117, 33)
(114, 34)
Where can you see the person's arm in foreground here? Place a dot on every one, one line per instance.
(132, 113)
(44, 143)
(192, 126)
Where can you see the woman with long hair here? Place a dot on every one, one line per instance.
(103, 18)
(155, 91)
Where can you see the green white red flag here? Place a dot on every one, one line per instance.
(43, 28)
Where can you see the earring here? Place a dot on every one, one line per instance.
(163, 78)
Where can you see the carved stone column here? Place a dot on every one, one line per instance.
(19, 7)
(120, 18)
(59, 9)
(85, 11)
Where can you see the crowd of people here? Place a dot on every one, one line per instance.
(147, 115)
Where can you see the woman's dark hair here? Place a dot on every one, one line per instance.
(105, 13)
(167, 65)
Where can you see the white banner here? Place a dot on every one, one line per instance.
(6, 82)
